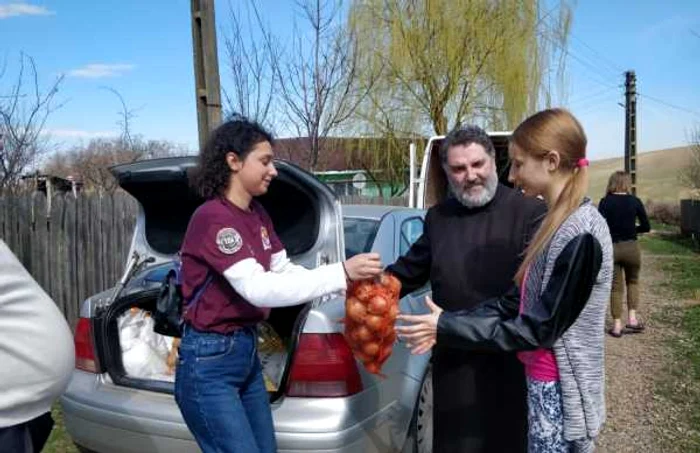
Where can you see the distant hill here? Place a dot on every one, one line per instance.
(658, 174)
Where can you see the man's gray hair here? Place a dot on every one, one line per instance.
(466, 135)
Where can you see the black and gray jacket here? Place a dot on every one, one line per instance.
(566, 294)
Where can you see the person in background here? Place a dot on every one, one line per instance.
(622, 210)
(238, 270)
(37, 358)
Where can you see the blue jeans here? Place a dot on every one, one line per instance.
(221, 394)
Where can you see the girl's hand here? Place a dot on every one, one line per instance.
(363, 266)
(420, 333)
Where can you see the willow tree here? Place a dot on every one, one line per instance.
(444, 62)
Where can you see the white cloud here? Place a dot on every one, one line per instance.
(22, 9)
(78, 134)
(99, 70)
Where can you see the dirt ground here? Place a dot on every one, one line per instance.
(643, 373)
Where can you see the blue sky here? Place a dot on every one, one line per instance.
(143, 50)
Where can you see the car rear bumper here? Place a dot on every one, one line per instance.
(111, 419)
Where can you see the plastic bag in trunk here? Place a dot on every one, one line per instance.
(145, 353)
(151, 356)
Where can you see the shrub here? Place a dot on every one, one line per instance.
(664, 212)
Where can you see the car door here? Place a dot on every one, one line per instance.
(409, 227)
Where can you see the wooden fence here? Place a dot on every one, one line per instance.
(74, 247)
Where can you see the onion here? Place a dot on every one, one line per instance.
(363, 291)
(392, 283)
(371, 348)
(361, 334)
(393, 312)
(388, 330)
(376, 323)
(355, 309)
(378, 305)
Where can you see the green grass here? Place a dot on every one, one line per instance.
(679, 259)
(59, 441)
(691, 324)
(684, 272)
(668, 242)
(663, 227)
(686, 391)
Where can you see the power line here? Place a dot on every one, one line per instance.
(609, 99)
(668, 104)
(585, 64)
(590, 68)
(594, 106)
(590, 96)
(616, 69)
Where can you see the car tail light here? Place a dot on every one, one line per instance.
(323, 366)
(85, 358)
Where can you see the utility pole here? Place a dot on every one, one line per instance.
(631, 127)
(206, 68)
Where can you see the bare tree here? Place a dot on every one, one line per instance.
(253, 82)
(125, 116)
(320, 80)
(90, 163)
(23, 115)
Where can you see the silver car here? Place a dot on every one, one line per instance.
(316, 406)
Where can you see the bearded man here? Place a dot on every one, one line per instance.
(470, 249)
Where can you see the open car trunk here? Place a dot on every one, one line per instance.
(136, 356)
(306, 217)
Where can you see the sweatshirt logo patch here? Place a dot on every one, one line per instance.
(229, 241)
(265, 238)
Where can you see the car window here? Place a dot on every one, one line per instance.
(411, 230)
(359, 235)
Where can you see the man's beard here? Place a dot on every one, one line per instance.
(486, 194)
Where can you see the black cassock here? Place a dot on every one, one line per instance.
(470, 255)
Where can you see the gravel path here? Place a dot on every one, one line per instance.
(643, 373)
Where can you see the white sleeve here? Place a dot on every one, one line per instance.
(36, 345)
(281, 264)
(271, 289)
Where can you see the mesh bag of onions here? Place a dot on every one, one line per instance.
(371, 308)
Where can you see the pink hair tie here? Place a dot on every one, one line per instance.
(582, 162)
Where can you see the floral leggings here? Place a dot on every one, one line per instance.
(545, 417)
